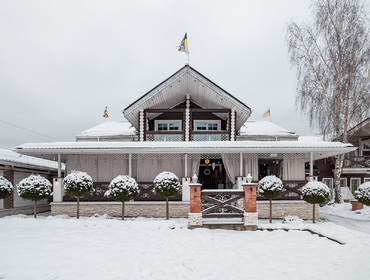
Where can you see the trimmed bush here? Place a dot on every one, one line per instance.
(166, 184)
(6, 188)
(77, 184)
(315, 193)
(362, 194)
(35, 188)
(122, 188)
(270, 187)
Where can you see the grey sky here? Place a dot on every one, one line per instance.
(62, 62)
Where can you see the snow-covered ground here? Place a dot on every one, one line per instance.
(103, 248)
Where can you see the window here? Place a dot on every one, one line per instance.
(328, 182)
(167, 125)
(366, 147)
(354, 183)
(207, 125)
(343, 182)
(366, 180)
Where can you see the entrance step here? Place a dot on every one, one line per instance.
(228, 224)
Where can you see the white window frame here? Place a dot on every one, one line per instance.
(168, 122)
(218, 122)
(366, 180)
(330, 180)
(363, 147)
(345, 181)
(350, 183)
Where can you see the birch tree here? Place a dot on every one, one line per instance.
(332, 58)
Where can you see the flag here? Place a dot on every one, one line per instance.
(184, 44)
(267, 113)
(105, 113)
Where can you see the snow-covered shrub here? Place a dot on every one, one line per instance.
(6, 188)
(166, 184)
(35, 188)
(77, 184)
(270, 187)
(362, 194)
(122, 188)
(315, 192)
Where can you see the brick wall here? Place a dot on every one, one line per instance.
(9, 201)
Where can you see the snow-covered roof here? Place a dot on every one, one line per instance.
(8, 157)
(264, 128)
(320, 149)
(109, 128)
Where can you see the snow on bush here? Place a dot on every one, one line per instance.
(362, 194)
(166, 184)
(78, 183)
(122, 188)
(315, 192)
(34, 187)
(270, 186)
(6, 188)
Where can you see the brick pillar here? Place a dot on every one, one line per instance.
(9, 201)
(195, 215)
(195, 196)
(250, 197)
(356, 205)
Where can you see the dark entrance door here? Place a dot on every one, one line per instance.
(212, 174)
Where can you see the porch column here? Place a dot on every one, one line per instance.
(250, 218)
(130, 165)
(311, 167)
(57, 183)
(185, 181)
(232, 125)
(195, 215)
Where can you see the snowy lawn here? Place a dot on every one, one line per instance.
(102, 248)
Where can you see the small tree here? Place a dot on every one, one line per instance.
(315, 193)
(35, 188)
(77, 184)
(362, 194)
(122, 188)
(270, 187)
(166, 184)
(6, 188)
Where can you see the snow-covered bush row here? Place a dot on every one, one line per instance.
(166, 184)
(270, 186)
(34, 187)
(362, 194)
(78, 183)
(315, 192)
(122, 188)
(6, 188)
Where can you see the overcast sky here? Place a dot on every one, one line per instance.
(62, 62)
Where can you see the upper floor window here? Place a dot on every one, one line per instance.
(210, 125)
(167, 125)
(366, 147)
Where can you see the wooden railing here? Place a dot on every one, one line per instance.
(357, 161)
(220, 203)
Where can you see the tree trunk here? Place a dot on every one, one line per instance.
(167, 209)
(337, 172)
(78, 207)
(270, 210)
(313, 216)
(35, 209)
(123, 210)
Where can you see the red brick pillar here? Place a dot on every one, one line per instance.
(9, 201)
(195, 197)
(356, 205)
(250, 197)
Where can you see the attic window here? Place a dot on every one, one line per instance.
(208, 125)
(167, 125)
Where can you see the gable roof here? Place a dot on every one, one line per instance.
(109, 128)
(173, 91)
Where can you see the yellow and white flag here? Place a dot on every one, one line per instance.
(105, 113)
(184, 44)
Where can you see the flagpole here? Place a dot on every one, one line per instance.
(270, 114)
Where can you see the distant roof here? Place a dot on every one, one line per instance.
(11, 158)
(264, 128)
(109, 128)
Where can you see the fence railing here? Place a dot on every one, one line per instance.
(221, 203)
(357, 161)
